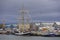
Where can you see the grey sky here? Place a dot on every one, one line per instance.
(40, 10)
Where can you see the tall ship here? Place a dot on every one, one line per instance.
(23, 25)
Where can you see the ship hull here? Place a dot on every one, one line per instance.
(22, 34)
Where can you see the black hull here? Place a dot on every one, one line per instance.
(27, 34)
(44, 35)
(50, 35)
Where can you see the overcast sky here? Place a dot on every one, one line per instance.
(39, 10)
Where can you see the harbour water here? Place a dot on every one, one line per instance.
(13, 37)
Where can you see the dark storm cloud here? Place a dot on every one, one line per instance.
(42, 10)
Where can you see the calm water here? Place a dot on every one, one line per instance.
(12, 37)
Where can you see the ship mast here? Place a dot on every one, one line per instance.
(3, 24)
(22, 18)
